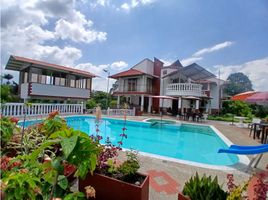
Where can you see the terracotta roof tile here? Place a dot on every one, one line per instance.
(130, 72)
(55, 66)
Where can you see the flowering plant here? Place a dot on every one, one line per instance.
(255, 188)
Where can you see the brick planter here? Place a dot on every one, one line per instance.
(113, 189)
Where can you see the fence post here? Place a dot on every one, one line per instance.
(108, 111)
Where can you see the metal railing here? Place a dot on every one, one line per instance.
(34, 109)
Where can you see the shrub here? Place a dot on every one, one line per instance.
(113, 104)
(91, 104)
(238, 108)
(204, 188)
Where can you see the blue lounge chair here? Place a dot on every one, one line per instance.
(257, 151)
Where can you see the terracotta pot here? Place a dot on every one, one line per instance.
(183, 197)
(113, 189)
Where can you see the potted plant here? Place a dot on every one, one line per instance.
(112, 179)
(202, 188)
(118, 181)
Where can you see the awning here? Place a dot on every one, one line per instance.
(196, 72)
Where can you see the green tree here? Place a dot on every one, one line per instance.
(238, 108)
(238, 83)
(8, 77)
(91, 103)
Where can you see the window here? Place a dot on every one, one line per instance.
(62, 81)
(72, 83)
(43, 79)
(34, 78)
(132, 84)
(164, 72)
(88, 83)
(57, 81)
(149, 87)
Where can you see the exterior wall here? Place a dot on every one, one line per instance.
(146, 66)
(214, 93)
(43, 90)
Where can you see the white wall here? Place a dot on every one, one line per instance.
(214, 93)
(146, 66)
(24, 91)
(58, 91)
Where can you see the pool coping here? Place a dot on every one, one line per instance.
(244, 160)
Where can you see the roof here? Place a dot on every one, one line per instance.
(130, 72)
(243, 96)
(16, 63)
(196, 72)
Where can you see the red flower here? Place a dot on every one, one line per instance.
(14, 120)
(120, 142)
(53, 114)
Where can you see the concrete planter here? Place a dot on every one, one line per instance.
(113, 189)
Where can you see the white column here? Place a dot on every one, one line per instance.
(179, 103)
(150, 105)
(142, 103)
(197, 104)
(118, 101)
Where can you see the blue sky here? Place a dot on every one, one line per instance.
(94, 35)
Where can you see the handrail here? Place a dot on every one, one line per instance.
(35, 109)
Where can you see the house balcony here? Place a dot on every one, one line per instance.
(184, 89)
(29, 90)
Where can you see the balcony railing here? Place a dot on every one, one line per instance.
(184, 89)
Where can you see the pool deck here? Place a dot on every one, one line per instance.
(167, 178)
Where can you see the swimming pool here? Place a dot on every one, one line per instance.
(188, 142)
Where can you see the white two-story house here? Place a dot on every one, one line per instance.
(192, 86)
(42, 80)
(139, 83)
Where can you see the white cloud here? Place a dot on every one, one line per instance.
(135, 3)
(78, 29)
(103, 3)
(200, 53)
(213, 48)
(256, 70)
(167, 62)
(191, 60)
(23, 32)
(119, 65)
(100, 83)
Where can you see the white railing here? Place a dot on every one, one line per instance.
(184, 89)
(34, 109)
(114, 112)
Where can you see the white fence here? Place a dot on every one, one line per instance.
(34, 109)
(114, 112)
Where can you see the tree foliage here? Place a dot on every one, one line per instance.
(238, 108)
(238, 83)
(99, 98)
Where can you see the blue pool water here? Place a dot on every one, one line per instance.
(187, 142)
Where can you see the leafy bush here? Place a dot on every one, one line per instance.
(7, 128)
(91, 103)
(113, 104)
(238, 108)
(204, 189)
